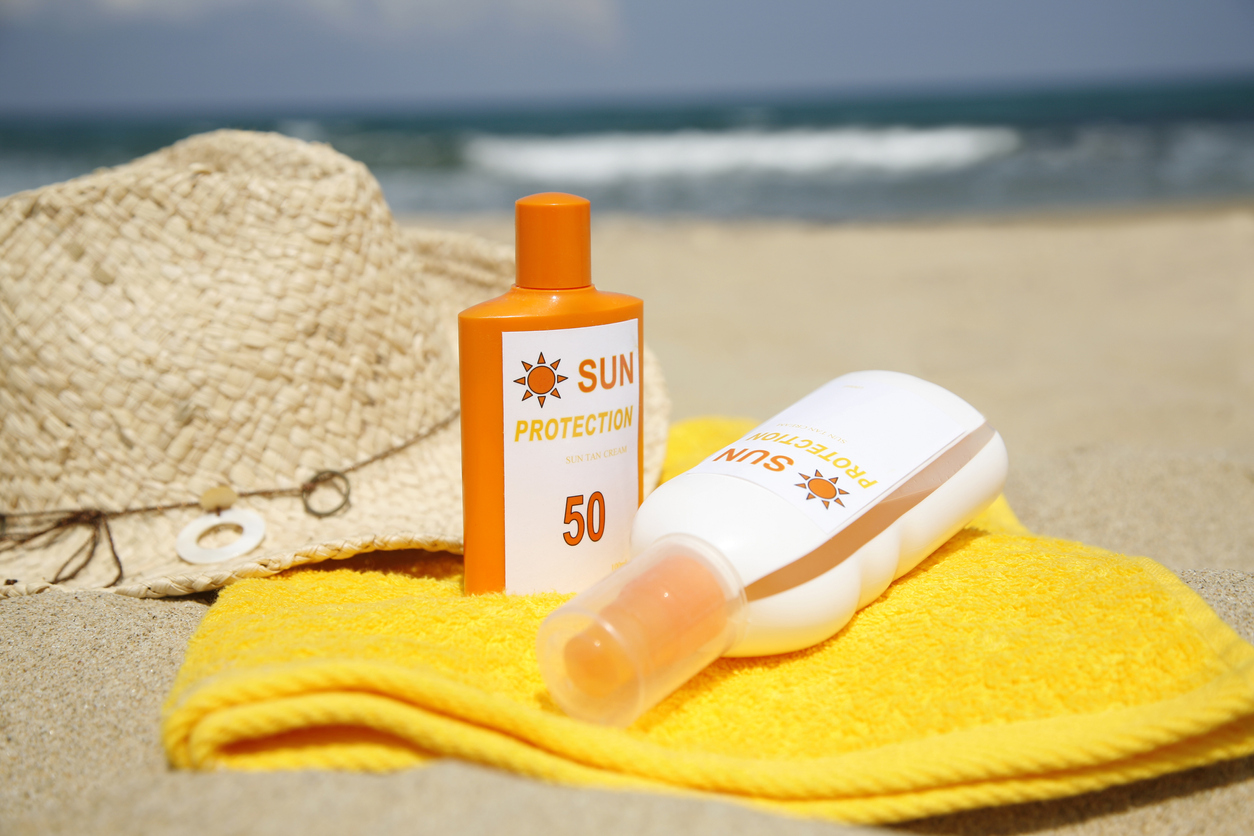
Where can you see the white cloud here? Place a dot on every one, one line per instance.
(164, 8)
(159, 9)
(597, 21)
(598, 18)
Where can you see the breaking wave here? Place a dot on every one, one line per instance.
(613, 157)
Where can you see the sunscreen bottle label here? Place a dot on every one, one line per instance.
(571, 434)
(836, 452)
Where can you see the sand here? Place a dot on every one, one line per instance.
(1115, 353)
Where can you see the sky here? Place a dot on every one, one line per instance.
(72, 56)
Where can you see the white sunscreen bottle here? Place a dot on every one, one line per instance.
(774, 542)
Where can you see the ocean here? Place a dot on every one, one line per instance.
(863, 157)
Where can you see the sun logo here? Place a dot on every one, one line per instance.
(822, 489)
(541, 380)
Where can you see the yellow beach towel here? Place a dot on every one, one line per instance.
(1006, 668)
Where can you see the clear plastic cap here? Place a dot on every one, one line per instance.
(619, 648)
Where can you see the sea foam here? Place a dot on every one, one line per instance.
(612, 157)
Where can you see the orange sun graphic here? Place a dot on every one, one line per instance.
(822, 489)
(541, 380)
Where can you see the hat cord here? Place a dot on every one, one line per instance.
(25, 528)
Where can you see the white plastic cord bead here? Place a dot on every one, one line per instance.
(250, 521)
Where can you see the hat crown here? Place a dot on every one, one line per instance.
(237, 307)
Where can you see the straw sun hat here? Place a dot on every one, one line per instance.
(233, 321)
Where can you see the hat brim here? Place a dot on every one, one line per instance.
(408, 500)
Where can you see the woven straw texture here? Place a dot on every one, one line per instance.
(239, 309)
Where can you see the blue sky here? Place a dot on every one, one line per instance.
(203, 55)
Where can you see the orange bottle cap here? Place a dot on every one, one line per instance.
(553, 241)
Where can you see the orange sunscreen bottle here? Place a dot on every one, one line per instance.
(552, 431)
